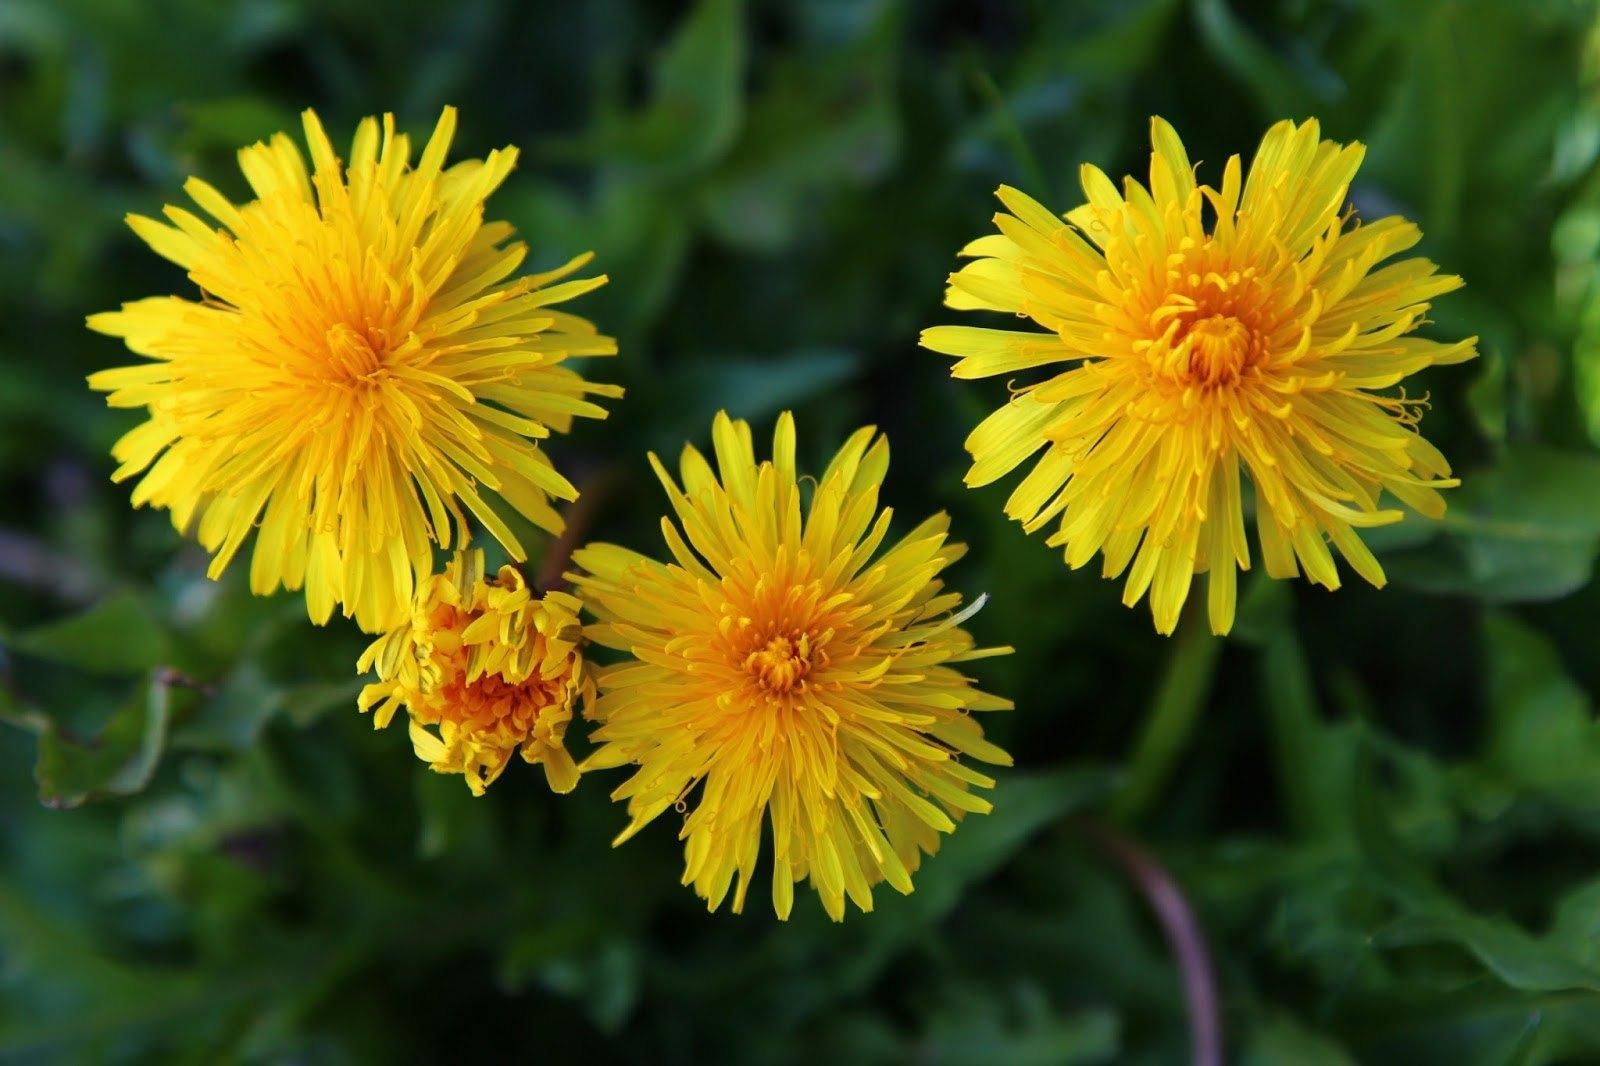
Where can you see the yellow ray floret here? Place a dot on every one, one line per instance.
(484, 669)
(359, 368)
(788, 673)
(1267, 344)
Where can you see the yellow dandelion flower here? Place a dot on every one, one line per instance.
(791, 673)
(485, 669)
(357, 368)
(1262, 343)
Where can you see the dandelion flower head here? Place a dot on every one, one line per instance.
(1199, 337)
(358, 368)
(787, 675)
(485, 669)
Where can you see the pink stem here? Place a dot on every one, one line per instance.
(1183, 935)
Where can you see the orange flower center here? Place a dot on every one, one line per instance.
(1218, 348)
(491, 701)
(355, 356)
(781, 664)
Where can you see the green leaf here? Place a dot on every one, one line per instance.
(1586, 359)
(1520, 960)
(1315, 760)
(1542, 729)
(1024, 803)
(752, 388)
(119, 635)
(1277, 86)
(696, 106)
(304, 704)
(227, 123)
(1526, 528)
(1486, 396)
(1278, 1039)
(232, 718)
(638, 233)
(120, 761)
(1577, 922)
(603, 981)
(976, 1029)
(825, 121)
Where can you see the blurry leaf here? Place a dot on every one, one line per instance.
(1121, 38)
(1277, 86)
(1398, 870)
(1577, 144)
(638, 233)
(15, 713)
(304, 704)
(1024, 803)
(450, 820)
(539, 951)
(1586, 362)
(1486, 396)
(1315, 760)
(231, 719)
(1279, 1040)
(695, 106)
(977, 1028)
(30, 26)
(1543, 731)
(823, 121)
(119, 635)
(230, 123)
(1516, 958)
(1526, 528)
(751, 388)
(604, 982)
(1577, 922)
(119, 761)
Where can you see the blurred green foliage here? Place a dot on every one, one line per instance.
(1384, 807)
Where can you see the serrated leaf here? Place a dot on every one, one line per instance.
(119, 761)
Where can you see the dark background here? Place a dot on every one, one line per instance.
(1383, 806)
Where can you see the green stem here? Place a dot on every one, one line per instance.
(1185, 686)
(1011, 130)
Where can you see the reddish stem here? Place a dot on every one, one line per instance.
(1183, 933)
(580, 516)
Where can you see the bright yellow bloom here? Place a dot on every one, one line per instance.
(491, 668)
(357, 368)
(786, 670)
(1260, 342)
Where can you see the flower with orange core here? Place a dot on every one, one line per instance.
(359, 367)
(485, 669)
(1206, 335)
(785, 672)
